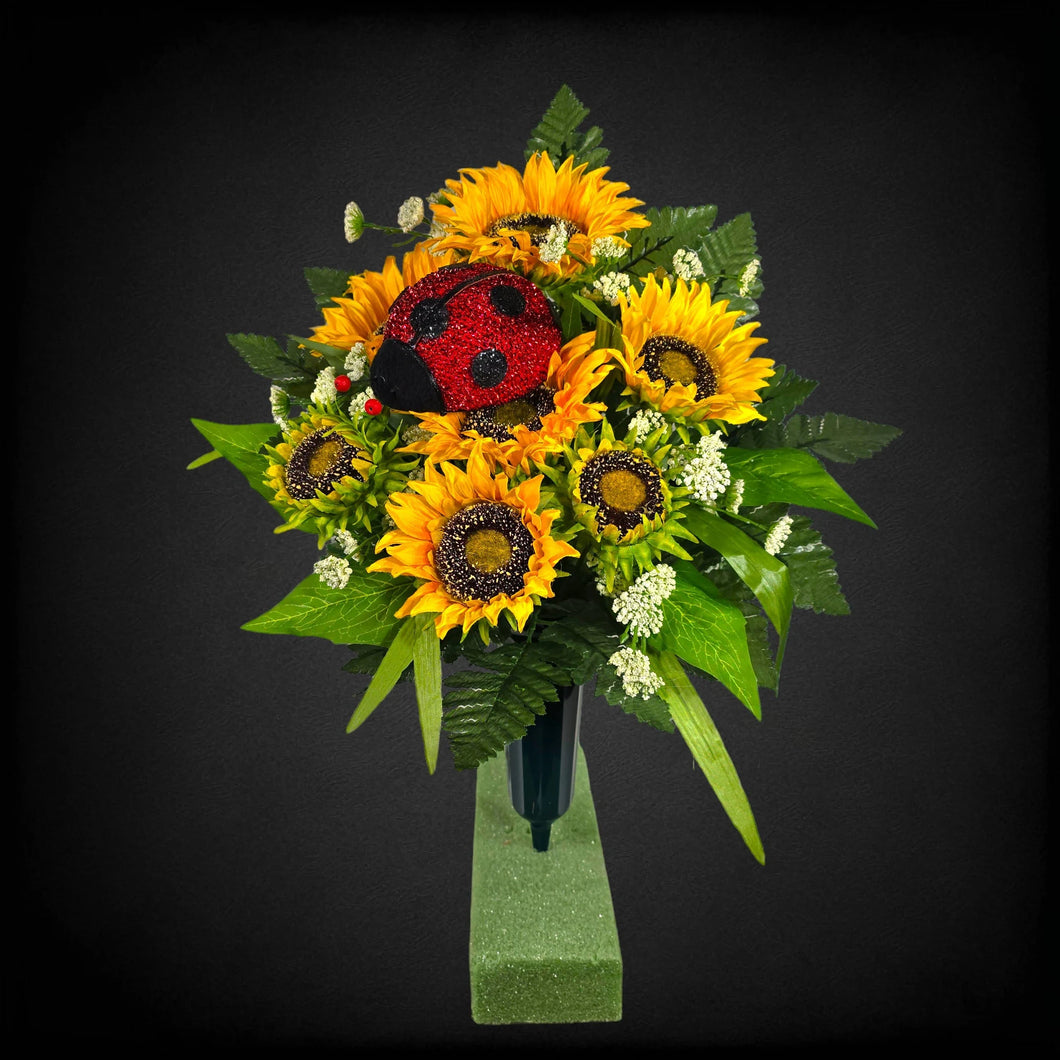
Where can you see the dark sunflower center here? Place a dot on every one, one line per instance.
(485, 551)
(498, 421)
(622, 487)
(673, 360)
(318, 461)
(535, 225)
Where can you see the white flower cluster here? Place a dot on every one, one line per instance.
(357, 401)
(554, 245)
(607, 247)
(748, 276)
(706, 474)
(280, 403)
(687, 265)
(334, 571)
(410, 213)
(735, 496)
(640, 606)
(345, 541)
(353, 222)
(634, 667)
(644, 421)
(415, 433)
(778, 534)
(356, 363)
(324, 392)
(612, 285)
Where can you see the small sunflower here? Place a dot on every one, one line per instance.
(327, 475)
(509, 218)
(684, 354)
(362, 315)
(622, 497)
(476, 542)
(528, 429)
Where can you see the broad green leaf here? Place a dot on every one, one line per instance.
(785, 393)
(427, 660)
(813, 574)
(580, 640)
(672, 227)
(704, 741)
(268, 358)
(765, 575)
(401, 652)
(726, 250)
(709, 633)
(557, 132)
(494, 701)
(240, 444)
(790, 476)
(837, 437)
(327, 284)
(361, 613)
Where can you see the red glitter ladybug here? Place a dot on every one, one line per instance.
(462, 338)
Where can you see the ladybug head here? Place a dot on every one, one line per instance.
(462, 338)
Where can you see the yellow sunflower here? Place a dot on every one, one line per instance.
(476, 542)
(505, 217)
(519, 432)
(622, 497)
(684, 354)
(362, 316)
(318, 475)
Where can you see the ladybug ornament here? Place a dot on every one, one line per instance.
(462, 338)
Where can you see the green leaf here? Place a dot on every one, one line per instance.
(327, 284)
(790, 476)
(580, 641)
(427, 660)
(206, 458)
(366, 659)
(785, 392)
(557, 133)
(495, 701)
(765, 575)
(268, 358)
(672, 227)
(708, 633)
(361, 613)
(400, 653)
(726, 250)
(704, 741)
(332, 354)
(814, 580)
(837, 437)
(240, 444)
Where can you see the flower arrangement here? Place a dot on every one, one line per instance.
(544, 444)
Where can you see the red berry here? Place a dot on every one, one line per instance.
(342, 383)
(373, 406)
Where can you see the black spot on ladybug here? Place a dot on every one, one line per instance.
(488, 367)
(507, 300)
(430, 318)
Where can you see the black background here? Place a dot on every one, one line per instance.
(203, 856)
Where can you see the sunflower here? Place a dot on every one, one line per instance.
(622, 497)
(683, 354)
(476, 542)
(515, 434)
(362, 316)
(502, 216)
(322, 475)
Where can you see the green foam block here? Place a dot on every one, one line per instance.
(544, 943)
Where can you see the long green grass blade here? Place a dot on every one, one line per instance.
(704, 741)
(427, 660)
(398, 656)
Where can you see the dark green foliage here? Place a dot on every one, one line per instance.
(557, 133)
